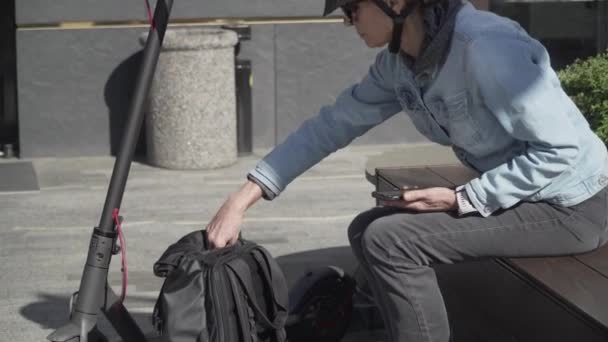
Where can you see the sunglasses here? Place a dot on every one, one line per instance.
(349, 9)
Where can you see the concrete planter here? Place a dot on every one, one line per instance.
(191, 121)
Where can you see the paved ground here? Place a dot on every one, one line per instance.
(45, 235)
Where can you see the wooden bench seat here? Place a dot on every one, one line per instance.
(576, 285)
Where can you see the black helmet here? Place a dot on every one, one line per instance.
(332, 5)
(398, 18)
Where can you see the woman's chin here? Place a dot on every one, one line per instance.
(373, 44)
(367, 42)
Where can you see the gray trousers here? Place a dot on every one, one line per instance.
(396, 247)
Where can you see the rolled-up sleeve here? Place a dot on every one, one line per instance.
(355, 111)
(517, 85)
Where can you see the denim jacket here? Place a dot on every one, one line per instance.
(494, 99)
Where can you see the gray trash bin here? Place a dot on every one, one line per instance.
(191, 118)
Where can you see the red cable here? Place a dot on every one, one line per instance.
(123, 253)
(150, 16)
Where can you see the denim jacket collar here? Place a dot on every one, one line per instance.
(439, 23)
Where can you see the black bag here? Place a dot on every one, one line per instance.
(232, 294)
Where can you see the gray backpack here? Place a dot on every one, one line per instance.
(232, 294)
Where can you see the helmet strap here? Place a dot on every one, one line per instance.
(398, 21)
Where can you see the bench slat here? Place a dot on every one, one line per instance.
(571, 280)
(597, 260)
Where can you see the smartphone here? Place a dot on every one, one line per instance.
(388, 195)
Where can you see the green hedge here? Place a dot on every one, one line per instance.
(586, 82)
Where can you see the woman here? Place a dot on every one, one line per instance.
(475, 81)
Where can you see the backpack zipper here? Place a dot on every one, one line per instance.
(217, 304)
(230, 331)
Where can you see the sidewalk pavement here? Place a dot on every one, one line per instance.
(45, 235)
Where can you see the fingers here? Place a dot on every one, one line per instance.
(411, 194)
(408, 197)
(211, 237)
(414, 195)
(217, 242)
(222, 242)
(232, 241)
(220, 238)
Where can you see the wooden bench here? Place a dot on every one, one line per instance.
(523, 299)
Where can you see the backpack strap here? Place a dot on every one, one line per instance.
(274, 277)
(242, 271)
(240, 305)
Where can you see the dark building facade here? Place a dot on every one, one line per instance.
(67, 67)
